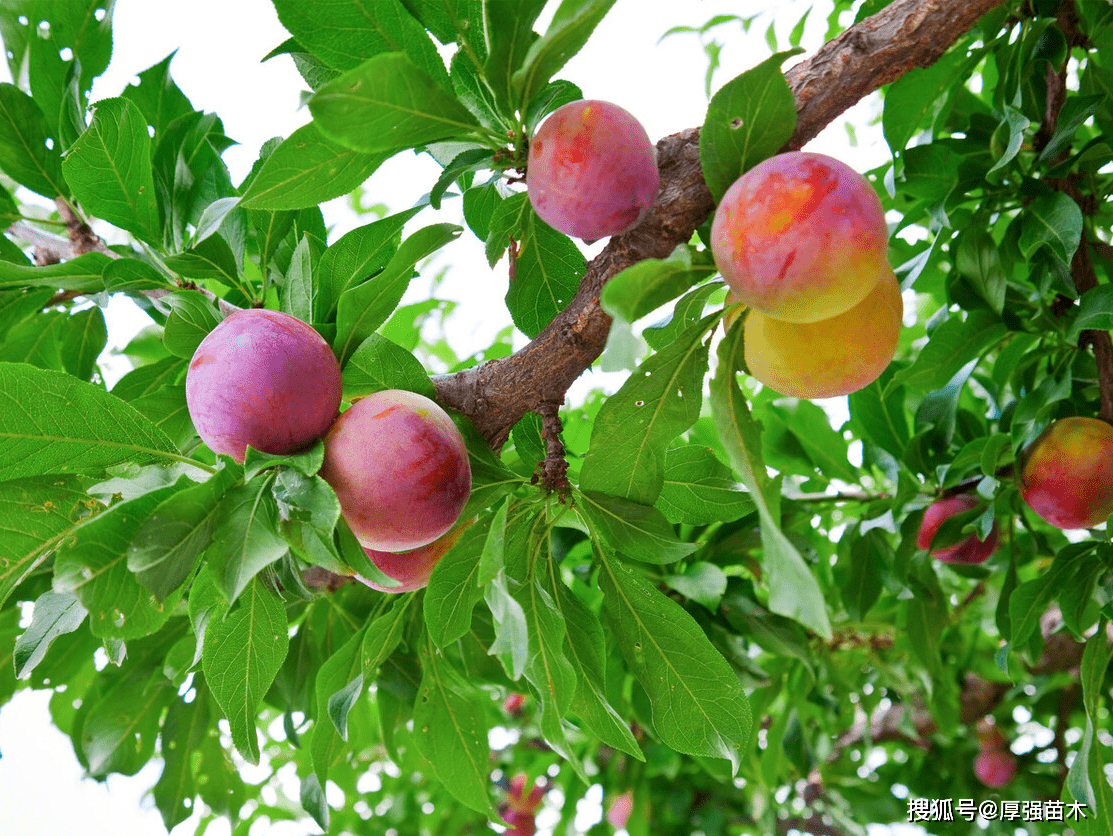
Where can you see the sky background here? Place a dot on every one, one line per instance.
(220, 44)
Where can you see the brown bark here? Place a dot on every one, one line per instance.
(878, 50)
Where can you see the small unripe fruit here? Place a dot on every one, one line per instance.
(400, 469)
(1067, 473)
(800, 237)
(592, 170)
(971, 550)
(995, 767)
(265, 379)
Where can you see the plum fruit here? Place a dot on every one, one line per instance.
(972, 549)
(995, 767)
(411, 569)
(592, 170)
(800, 237)
(1067, 473)
(400, 469)
(830, 357)
(265, 379)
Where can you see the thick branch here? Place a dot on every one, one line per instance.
(876, 51)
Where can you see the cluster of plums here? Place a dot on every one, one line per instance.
(1066, 476)
(801, 241)
(396, 460)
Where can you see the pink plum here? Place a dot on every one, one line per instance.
(412, 569)
(995, 767)
(265, 379)
(592, 170)
(400, 469)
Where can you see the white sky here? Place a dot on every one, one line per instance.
(217, 65)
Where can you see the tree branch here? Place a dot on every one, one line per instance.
(876, 51)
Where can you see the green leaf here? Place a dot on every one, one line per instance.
(158, 98)
(704, 583)
(793, 589)
(1094, 311)
(1053, 221)
(308, 168)
(344, 34)
(362, 309)
(85, 273)
(571, 26)
(636, 530)
(85, 338)
(389, 104)
(51, 422)
(546, 274)
(356, 257)
(118, 732)
(1029, 601)
(191, 319)
(748, 119)
(340, 674)
(587, 653)
(511, 644)
(454, 587)
(183, 733)
(510, 29)
(36, 515)
(699, 707)
(93, 565)
(55, 614)
(166, 548)
(979, 262)
(298, 288)
(951, 346)
(643, 287)
(1072, 116)
(698, 489)
(245, 537)
(1088, 761)
(549, 670)
(802, 428)
(450, 733)
(911, 100)
(877, 413)
(242, 654)
(634, 427)
(29, 152)
(380, 364)
(109, 169)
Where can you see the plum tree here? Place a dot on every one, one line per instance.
(400, 469)
(970, 550)
(412, 568)
(704, 593)
(829, 357)
(262, 378)
(592, 171)
(800, 237)
(1066, 474)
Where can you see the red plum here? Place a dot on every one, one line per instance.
(800, 237)
(592, 170)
